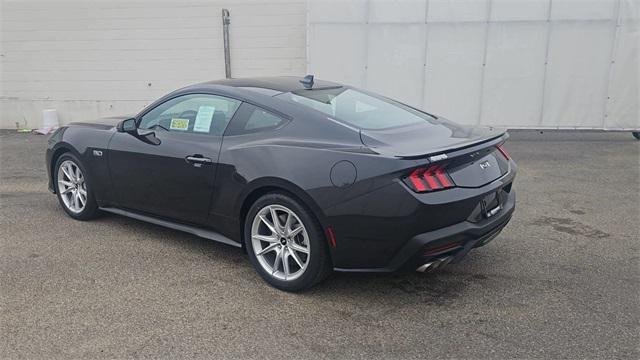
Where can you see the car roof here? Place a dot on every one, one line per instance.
(277, 83)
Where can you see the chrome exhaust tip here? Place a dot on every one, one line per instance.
(425, 267)
(446, 260)
(435, 264)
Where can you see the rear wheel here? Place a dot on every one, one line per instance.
(72, 188)
(285, 243)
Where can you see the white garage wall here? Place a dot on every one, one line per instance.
(97, 58)
(513, 63)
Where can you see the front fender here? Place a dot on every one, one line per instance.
(81, 142)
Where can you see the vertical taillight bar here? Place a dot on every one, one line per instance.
(503, 152)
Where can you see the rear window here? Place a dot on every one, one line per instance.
(357, 108)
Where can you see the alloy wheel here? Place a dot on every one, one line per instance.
(280, 242)
(72, 186)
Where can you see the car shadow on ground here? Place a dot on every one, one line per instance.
(440, 287)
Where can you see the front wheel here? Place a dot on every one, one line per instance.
(285, 243)
(73, 189)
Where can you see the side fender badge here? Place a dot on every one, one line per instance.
(97, 153)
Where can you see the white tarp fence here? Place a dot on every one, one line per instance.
(513, 63)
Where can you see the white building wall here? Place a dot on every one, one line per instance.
(89, 59)
(513, 63)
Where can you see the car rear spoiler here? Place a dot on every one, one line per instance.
(476, 145)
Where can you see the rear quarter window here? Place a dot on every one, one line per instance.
(262, 119)
(253, 119)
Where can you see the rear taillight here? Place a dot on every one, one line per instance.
(429, 179)
(503, 152)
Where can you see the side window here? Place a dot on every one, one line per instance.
(262, 120)
(193, 113)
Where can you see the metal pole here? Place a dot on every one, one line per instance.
(225, 35)
(484, 61)
(425, 69)
(365, 75)
(546, 65)
(612, 61)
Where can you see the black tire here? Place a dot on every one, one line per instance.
(90, 210)
(319, 263)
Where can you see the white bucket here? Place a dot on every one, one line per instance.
(49, 121)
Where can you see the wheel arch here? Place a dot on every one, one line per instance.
(59, 150)
(260, 187)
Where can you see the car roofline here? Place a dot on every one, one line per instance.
(282, 84)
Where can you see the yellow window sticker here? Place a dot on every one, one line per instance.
(179, 124)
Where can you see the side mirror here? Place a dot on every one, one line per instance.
(128, 125)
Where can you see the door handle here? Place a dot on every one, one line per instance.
(198, 160)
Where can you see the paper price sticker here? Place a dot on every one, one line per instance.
(203, 119)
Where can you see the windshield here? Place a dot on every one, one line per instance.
(357, 108)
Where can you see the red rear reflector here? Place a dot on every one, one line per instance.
(441, 249)
(429, 179)
(331, 237)
(503, 152)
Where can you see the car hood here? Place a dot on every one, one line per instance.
(431, 137)
(102, 123)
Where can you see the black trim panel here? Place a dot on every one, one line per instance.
(204, 233)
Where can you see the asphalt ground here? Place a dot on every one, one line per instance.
(561, 281)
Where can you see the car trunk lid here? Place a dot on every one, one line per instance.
(469, 154)
(426, 138)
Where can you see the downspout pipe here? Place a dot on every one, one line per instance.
(226, 20)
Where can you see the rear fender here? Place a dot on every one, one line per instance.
(266, 183)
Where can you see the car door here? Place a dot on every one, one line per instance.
(237, 163)
(172, 176)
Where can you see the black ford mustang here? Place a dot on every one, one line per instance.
(308, 177)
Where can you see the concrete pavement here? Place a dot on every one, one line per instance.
(562, 280)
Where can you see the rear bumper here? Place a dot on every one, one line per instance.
(455, 240)
(424, 247)
(393, 227)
